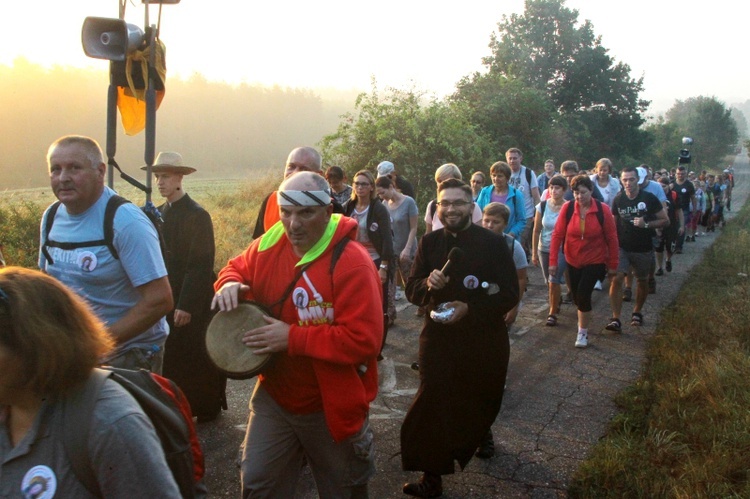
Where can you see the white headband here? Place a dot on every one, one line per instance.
(303, 198)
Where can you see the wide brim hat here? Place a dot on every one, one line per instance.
(170, 162)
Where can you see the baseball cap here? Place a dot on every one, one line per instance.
(385, 168)
(642, 174)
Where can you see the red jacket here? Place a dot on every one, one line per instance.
(590, 247)
(336, 324)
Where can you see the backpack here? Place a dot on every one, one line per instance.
(109, 232)
(163, 403)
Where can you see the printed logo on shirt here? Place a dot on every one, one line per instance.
(39, 482)
(471, 282)
(300, 297)
(642, 206)
(86, 261)
(311, 311)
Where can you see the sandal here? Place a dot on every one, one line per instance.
(636, 319)
(614, 325)
(551, 320)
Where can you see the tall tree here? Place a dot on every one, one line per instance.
(711, 126)
(415, 132)
(597, 100)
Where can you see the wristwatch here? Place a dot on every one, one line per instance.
(646, 225)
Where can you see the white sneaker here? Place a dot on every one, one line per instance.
(582, 341)
(399, 294)
(598, 285)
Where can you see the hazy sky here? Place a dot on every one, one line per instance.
(681, 51)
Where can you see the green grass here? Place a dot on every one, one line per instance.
(232, 203)
(683, 429)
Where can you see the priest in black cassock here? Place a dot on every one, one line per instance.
(462, 361)
(189, 238)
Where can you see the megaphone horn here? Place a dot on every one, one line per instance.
(111, 39)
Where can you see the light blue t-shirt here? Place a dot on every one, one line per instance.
(655, 189)
(106, 283)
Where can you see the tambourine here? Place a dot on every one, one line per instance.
(224, 341)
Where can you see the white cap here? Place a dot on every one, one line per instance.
(642, 174)
(385, 168)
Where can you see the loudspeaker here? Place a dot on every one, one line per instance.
(111, 39)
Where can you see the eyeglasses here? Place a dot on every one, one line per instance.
(455, 204)
(362, 184)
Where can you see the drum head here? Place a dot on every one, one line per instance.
(224, 341)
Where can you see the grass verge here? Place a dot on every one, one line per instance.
(683, 427)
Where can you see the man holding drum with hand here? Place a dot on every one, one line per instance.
(311, 402)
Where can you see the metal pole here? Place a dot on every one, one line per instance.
(150, 112)
(111, 124)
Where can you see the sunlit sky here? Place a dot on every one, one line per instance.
(681, 51)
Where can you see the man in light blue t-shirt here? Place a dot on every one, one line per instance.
(129, 292)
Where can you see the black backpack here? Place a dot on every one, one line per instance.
(165, 406)
(109, 232)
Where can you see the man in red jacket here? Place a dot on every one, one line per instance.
(325, 332)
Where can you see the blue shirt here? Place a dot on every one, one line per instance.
(106, 283)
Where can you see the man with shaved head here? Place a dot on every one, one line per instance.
(324, 330)
(301, 159)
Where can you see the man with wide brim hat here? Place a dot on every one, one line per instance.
(170, 162)
(189, 239)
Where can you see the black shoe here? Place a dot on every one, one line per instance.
(627, 294)
(487, 448)
(669, 266)
(660, 271)
(428, 486)
(207, 417)
(652, 286)
(567, 299)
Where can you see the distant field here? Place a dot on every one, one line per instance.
(232, 203)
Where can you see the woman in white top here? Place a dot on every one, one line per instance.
(607, 185)
(545, 218)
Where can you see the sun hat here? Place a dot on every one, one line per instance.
(169, 162)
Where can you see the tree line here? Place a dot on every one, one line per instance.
(549, 88)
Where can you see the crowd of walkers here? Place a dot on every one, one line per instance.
(326, 265)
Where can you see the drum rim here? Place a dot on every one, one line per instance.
(250, 373)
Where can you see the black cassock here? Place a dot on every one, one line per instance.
(462, 367)
(189, 237)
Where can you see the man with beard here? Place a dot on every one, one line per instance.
(463, 358)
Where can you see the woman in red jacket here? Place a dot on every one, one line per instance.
(586, 230)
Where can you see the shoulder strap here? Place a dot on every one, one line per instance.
(510, 242)
(569, 211)
(109, 222)
(600, 213)
(528, 177)
(433, 208)
(337, 252)
(78, 409)
(542, 207)
(47, 228)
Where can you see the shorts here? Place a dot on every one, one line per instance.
(640, 261)
(559, 276)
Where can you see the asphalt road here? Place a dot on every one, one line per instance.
(557, 405)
